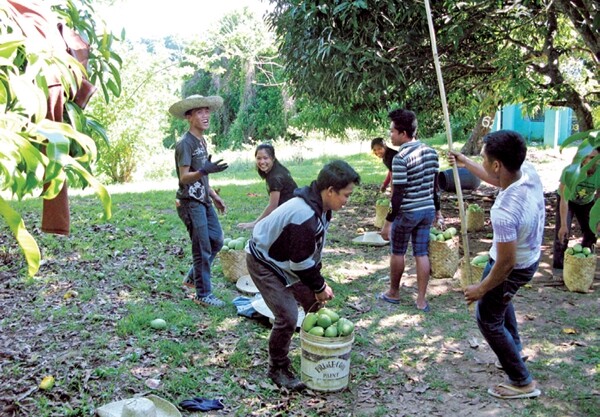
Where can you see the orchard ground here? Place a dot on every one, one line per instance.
(99, 346)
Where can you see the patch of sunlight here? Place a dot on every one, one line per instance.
(403, 320)
(228, 324)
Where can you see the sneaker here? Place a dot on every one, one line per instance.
(284, 378)
(188, 283)
(209, 301)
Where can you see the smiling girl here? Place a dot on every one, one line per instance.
(280, 184)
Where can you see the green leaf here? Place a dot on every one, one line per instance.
(595, 216)
(101, 191)
(9, 43)
(31, 98)
(28, 245)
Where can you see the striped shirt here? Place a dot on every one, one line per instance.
(414, 169)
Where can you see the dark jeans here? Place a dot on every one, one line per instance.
(498, 324)
(206, 234)
(283, 302)
(582, 214)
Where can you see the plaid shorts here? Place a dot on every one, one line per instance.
(413, 226)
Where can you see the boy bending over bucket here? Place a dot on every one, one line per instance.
(284, 259)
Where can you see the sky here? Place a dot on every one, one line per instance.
(154, 19)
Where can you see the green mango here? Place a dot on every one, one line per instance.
(331, 331)
(317, 331)
(310, 320)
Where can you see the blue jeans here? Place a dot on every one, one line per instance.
(498, 324)
(206, 234)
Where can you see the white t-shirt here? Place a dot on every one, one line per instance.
(518, 214)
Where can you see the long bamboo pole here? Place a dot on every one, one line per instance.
(461, 206)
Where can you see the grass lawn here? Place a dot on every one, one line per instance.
(84, 319)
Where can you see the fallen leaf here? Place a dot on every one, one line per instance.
(47, 382)
(70, 294)
(569, 330)
(153, 383)
(473, 342)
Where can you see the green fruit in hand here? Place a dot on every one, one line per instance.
(577, 248)
(317, 331)
(323, 320)
(586, 251)
(309, 322)
(158, 324)
(481, 259)
(331, 331)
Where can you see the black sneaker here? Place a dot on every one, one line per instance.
(284, 378)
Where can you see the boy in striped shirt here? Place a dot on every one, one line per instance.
(415, 205)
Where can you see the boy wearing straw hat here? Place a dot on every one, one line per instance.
(284, 259)
(517, 216)
(195, 197)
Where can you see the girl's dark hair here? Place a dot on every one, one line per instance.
(376, 142)
(270, 150)
(506, 146)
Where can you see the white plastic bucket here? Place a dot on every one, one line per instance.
(325, 361)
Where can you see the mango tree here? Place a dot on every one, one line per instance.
(362, 56)
(37, 154)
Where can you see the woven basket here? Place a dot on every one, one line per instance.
(578, 273)
(475, 221)
(443, 257)
(233, 263)
(380, 214)
(476, 273)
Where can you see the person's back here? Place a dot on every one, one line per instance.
(280, 179)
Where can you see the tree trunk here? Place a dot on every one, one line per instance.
(475, 142)
(583, 16)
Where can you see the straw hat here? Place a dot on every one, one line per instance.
(246, 285)
(149, 406)
(195, 102)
